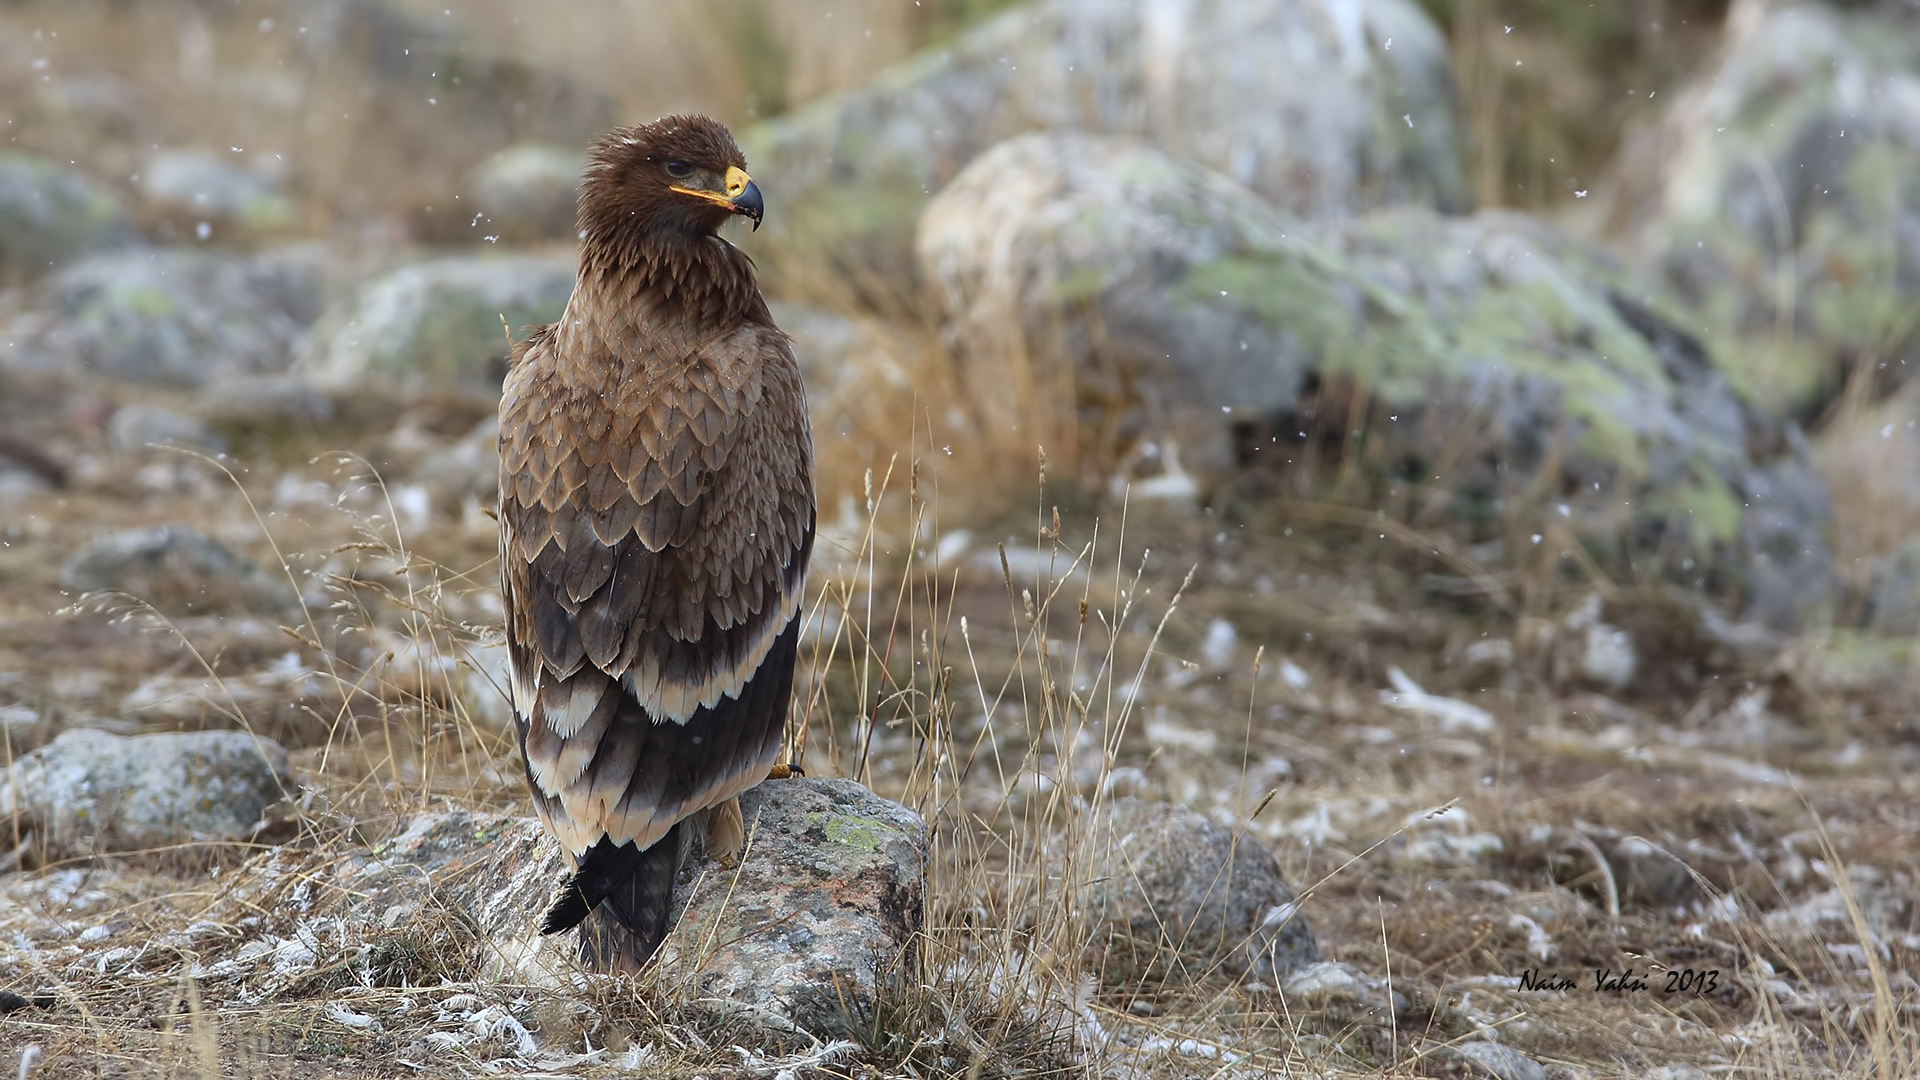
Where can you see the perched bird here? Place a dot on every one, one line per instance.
(656, 517)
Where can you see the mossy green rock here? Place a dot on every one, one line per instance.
(1779, 193)
(51, 215)
(1487, 370)
(1322, 107)
(441, 323)
(171, 317)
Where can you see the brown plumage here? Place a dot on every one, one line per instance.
(656, 515)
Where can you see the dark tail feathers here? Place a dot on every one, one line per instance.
(622, 898)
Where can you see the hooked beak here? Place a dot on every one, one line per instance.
(741, 197)
(748, 204)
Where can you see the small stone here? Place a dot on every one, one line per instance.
(1342, 987)
(1171, 878)
(1647, 873)
(1496, 1060)
(88, 791)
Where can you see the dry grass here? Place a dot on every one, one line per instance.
(1002, 689)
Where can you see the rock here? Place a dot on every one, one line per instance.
(469, 469)
(134, 429)
(1167, 877)
(1647, 873)
(210, 187)
(1806, 130)
(1343, 122)
(89, 792)
(177, 318)
(843, 360)
(439, 324)
(1593, 651)
(270, 403)
(178, 571)
(1893, 592)
(826, 906)
(1330, 986)
(1495, 1060)
(1101, 285)
(51, 215)
(528, 192)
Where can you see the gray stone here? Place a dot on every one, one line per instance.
(1301, 100)
(266, 402)
(134, 429)
(467, 469)
(1331, 986)
(528, 192)
(1893, 591)
(51, 215)
(1776, 190)
(170, 317)
(1101, 286)
(88, 791)
(438, 323)
(824, 908)
(217, 188)
(1495, 1060)
(179, 571)
(1169, 878)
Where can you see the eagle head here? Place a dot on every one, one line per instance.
(677, 178)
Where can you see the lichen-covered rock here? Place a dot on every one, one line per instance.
(439, 323)
(199, 186)
(51, 215)
(1778, 192)
(1112, 289)
(88, 791)
(1166, 877)
(528, 192)
(824, 908)
(1323, 107)
(178, 570)
(170, 317)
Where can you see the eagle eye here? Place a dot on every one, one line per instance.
(679, 170)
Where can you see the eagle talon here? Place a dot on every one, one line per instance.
(786, 771)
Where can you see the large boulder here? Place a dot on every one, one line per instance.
(442, 323)
(170, 317)
(1323, 107)
(89, 792)
(1780, 194)
(51, 215)
(1488, 370)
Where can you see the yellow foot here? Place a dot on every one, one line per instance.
(786, 771)
(726, 833)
